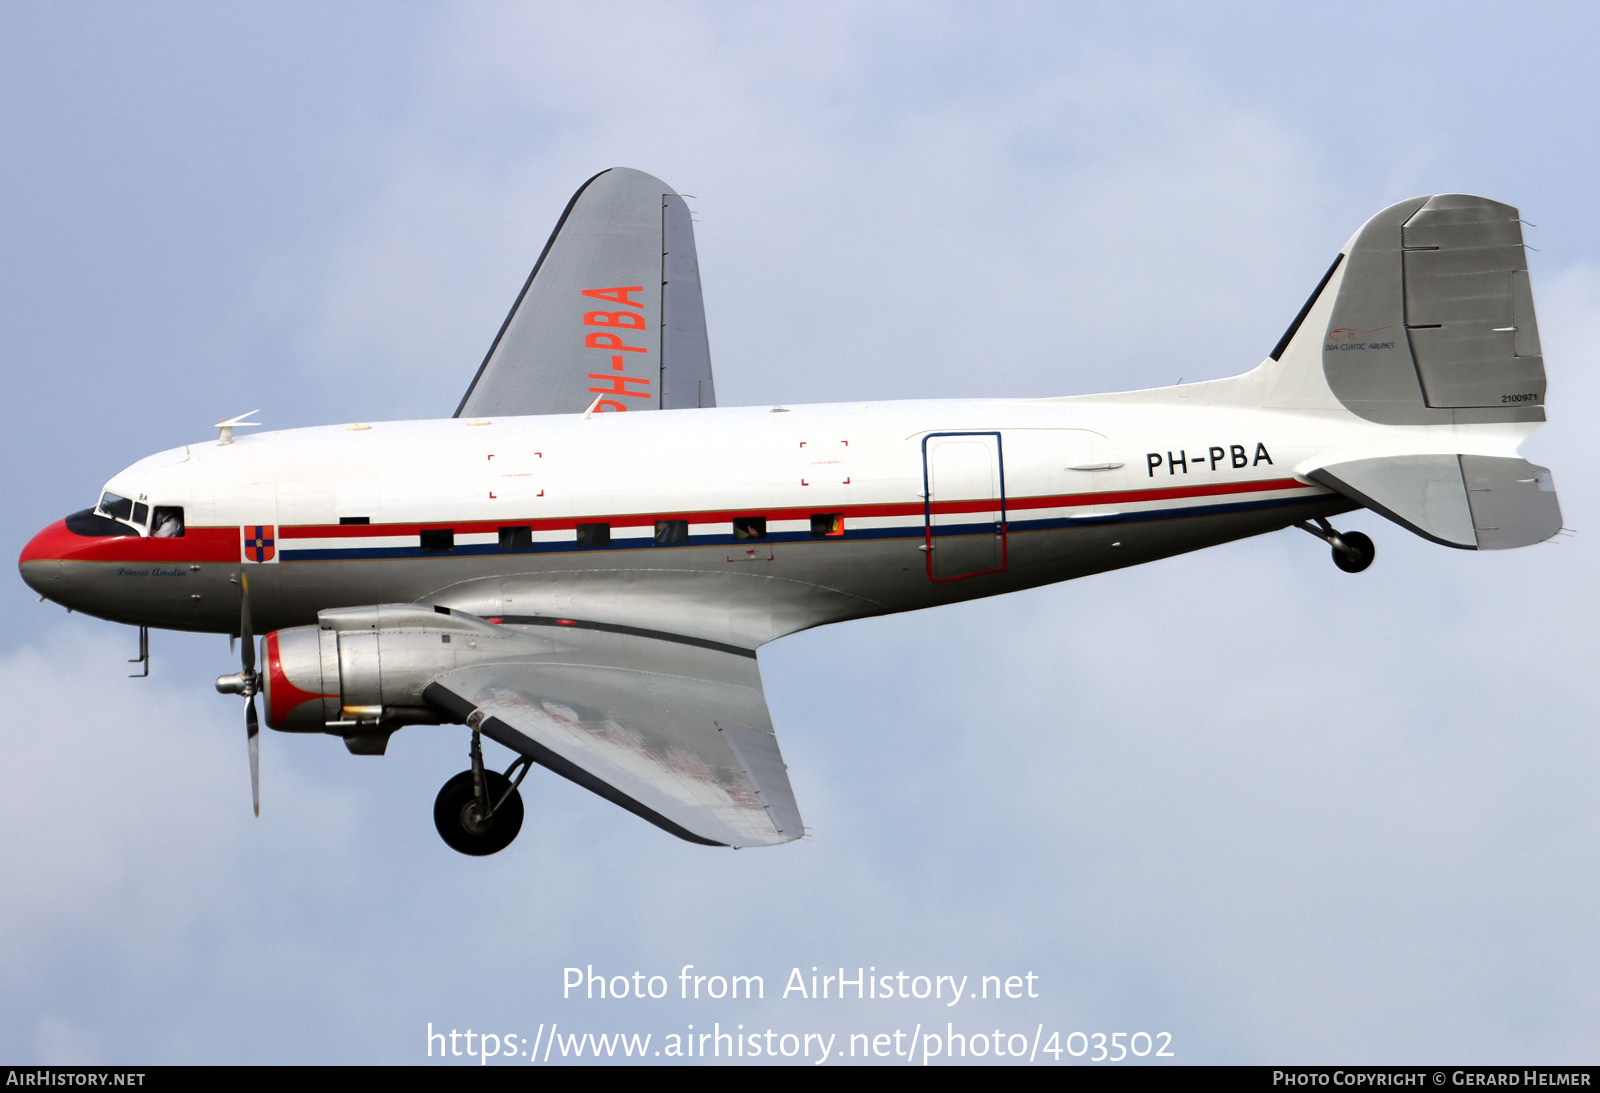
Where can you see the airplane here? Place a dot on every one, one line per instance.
(587, 584)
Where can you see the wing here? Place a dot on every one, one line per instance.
(673, 730)
(612, 308)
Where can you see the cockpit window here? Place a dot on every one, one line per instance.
(168, 522)
(119, 508)
(164, 521)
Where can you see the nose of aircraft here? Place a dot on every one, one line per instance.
(40, 562)
(65, 540)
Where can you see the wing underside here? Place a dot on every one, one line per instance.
(676, 732)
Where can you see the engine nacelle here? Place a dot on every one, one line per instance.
(366, 667)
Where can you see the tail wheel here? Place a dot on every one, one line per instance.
(1357, 554)
(460, 820)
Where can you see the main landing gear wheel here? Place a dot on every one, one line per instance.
(461, 821)
(479, 811)
(1357, 554)
(1352, 551)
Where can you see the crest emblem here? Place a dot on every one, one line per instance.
(260, 542)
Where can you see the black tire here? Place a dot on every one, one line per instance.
(1357, 554)
(452, 817)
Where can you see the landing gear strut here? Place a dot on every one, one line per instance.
(1352, 551)
(479, 811)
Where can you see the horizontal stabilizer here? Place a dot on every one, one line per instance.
(1474, 502)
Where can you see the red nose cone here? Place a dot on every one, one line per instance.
(108, 541)
(40, 563)
(50, 545)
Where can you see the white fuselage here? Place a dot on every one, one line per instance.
(1079, 485)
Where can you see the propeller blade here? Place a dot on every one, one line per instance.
(246, 634)
(253, 730)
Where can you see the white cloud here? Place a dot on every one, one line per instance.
(59, 1042)
(1111, 221)
(125, 824)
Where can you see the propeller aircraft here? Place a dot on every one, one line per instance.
(587, 583)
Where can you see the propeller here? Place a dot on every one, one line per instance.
(248, 684)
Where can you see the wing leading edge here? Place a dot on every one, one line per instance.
(675, 732)
(612, 309)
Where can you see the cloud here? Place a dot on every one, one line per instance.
(1078, 223)
(59, 1042)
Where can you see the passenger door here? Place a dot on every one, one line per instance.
(965, 506)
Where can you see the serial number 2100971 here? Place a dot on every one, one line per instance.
(1527, 397)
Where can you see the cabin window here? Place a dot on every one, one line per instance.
(438, 540)
(825, 524)
(167, 522)
(517, 538)
(355, 519)
(141, 513)
(672, 531)
(749, 527)
(116, 507)
(594, 535)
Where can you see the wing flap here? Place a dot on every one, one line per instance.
(676, 733)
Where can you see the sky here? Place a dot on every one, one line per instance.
(1353, 823)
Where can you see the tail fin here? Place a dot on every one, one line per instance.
(1426, 318)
